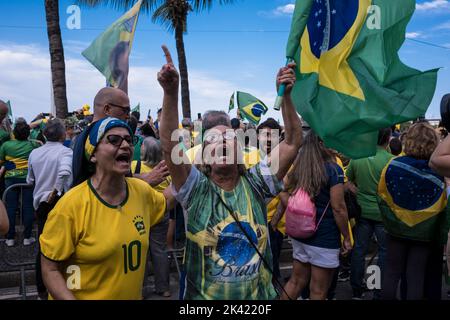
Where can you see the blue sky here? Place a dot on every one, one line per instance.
(234, 47)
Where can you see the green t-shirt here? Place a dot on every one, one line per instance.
(14, 155)
(4, 136)
(220, 262)
(366, 174)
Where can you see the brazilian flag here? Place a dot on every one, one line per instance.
(110, 52)
(413, 198)
(250, 107)
(350, 80)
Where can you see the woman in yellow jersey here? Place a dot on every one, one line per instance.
(94, 244)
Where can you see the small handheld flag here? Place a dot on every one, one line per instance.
(250, 107)
(137, 108)
(10, 113)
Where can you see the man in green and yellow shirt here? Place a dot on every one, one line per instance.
(365, 174)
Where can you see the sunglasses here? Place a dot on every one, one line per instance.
(215, 137)
(125, 110)
(117, 140)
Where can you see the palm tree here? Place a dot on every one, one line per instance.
(172, 14)
(58, 65)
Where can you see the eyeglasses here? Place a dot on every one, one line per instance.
(215, 137)
(125, 110)
(117, 140)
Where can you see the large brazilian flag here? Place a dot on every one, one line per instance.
(350, 80)
(110, 52)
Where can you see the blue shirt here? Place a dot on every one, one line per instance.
(327, 234)
(80, 165)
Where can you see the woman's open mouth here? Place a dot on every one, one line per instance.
(124, 158)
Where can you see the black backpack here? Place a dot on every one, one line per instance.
(353, 208)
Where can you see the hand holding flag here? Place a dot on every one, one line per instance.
(286, 77)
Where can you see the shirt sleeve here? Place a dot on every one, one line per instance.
(2, 153)
(158, 206)
(64, 177)
(185, 192)
(59, 238)
(336, 175)
(265, 180)
(30, 175)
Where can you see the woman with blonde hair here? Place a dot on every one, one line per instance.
(316, 258)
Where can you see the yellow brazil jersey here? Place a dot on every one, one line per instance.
(272, 208)
(103, 249)
(146, 169)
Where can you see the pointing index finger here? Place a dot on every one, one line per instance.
(167, 54)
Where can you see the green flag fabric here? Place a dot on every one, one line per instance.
(10, 114)
(137, 108)
(250, 107)
(110, 52)
(350, 80)
(231, 106)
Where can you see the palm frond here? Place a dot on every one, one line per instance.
(201, 5)
(163, 15)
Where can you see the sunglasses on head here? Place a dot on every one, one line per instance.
(117, 140)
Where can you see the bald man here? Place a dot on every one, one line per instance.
(5, 131)
(109, 102)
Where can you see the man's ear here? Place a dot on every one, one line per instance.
(106, 110)
(93, 159)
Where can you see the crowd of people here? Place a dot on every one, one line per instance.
(109, 191)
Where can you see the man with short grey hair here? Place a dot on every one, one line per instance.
(50, 170)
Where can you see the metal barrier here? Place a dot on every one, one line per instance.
(20, 265)
(179, 239)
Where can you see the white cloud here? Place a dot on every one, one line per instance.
(26, 81)
(284, 10)
(413, 35)
(433, 5)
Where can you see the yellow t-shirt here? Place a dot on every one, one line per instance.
(146, 169)
(271, 210)
(103, 249)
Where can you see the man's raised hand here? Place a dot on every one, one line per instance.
(168, 77)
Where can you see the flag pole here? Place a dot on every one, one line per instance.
(281, 89)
